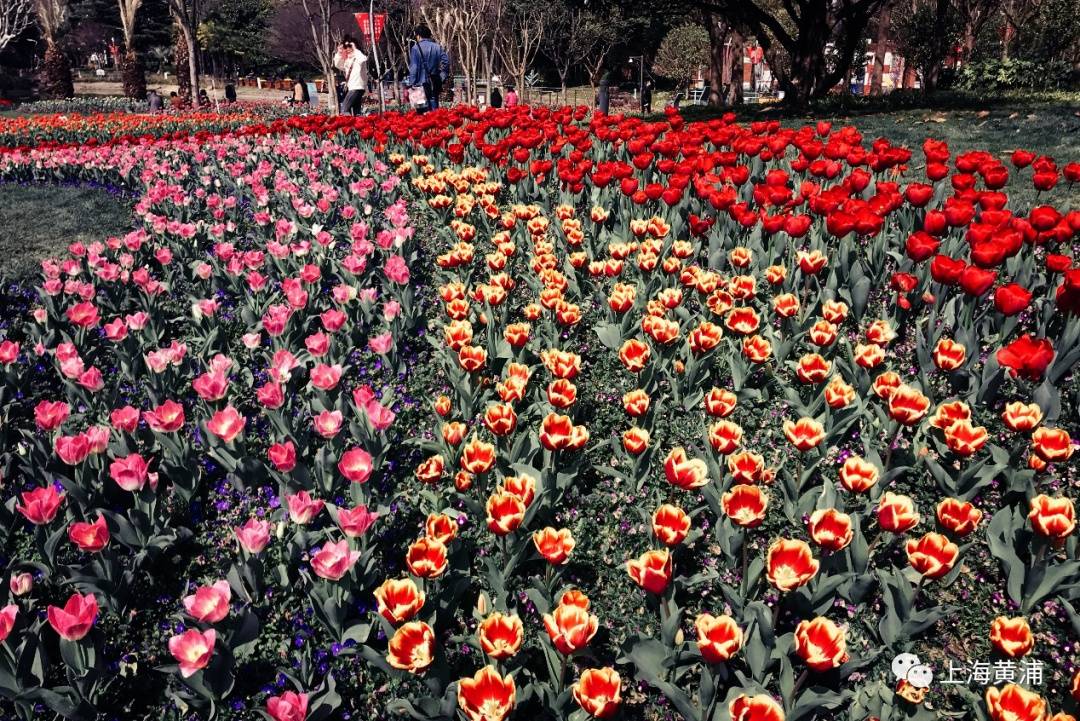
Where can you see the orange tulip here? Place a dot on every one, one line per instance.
(957, 516)
(719, 638)
(896, 513)
(598, 691)
(426, 558)
(500, 419)
(1053, 445)
(886, 384)
(720, 402)
(790, 563)
(559, 432)
(1015, 703)
(517, 334)
(880, 332)
(458, 334)
(453, 432)
(1012, 636)
(746, 466)
(634, 354)
(670, 524)
(756, 348)
(524, 487)
(907, 405)
(785, 305)
(868, 355)
(743, 320)
(399, 599)
(947, 414)
(822, 333)
(636, 403)
(412, 647)
(570, 627)
(500, 635)
(486, 696)
(755, 708)
(635, 440)
(1020, 416)
(554, 545)
(949, 355)
(821, 644)
(561, 364)
(965, 439)
(561, 393)
(651, 570)
(1052, 517)
(838, 394)
(574, 597)
(431, 469)
(704, 337)
(442, 405)
(440, 527)
(813, 368)
(858, 475)
(804, 434)
(477, 456)
(933, 555)
(684, 472)
(830, 529)
(745, 505)
(834, 311)
(472, 358)
(505, 512)
(725, 436)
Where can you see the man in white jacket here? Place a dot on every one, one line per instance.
(353, 65)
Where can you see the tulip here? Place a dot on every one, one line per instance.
(790, 563)
(598, 691)
(1053, 518)
(412, 647)
(896, 513)
(500, 635)
(355, 465)
(40, 505)
(1012, 636)
(670, 524)
(302, 507)
(209, 604)
(554, 545)
(20, 584)
(957, 516)
(570, 626)
(719, 638)
(830, 529)
(193, 650)
(651, 570)
(1015, 703)
(75, 619)
(289, 706)
(933, 555)
(399, 599)
(7, 620)
(89, 537)
(426, 558)
(486, 696)
(355, 521)
(820, 643)
(334, 560)
(253, 535)
(1053, 445)
(755, 708)
(683, 472)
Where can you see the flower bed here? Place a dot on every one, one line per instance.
(537, 413)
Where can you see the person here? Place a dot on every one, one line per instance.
(175, 101)
(154, 101)
(646, 98)
(204, 99)
(511, 97)
(353, 65)
(429, 67)
(230, 93)
(300, 94)
(603, 93)
(496, 97)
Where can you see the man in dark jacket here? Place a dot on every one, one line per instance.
(429, 67)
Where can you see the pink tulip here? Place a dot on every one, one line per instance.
(381, 343)
(7, 620)
(334, 560)
(356, 521)
(302, 507)
(129, 472)
(75, 619)
(253, 535)
(193, 650)
(125, 419)
(289, 706)
(283, 456)
(40, 505)
(227, 424)
(50, 415)
(89, 537)
(72, 450)
(209, 604)
(328, 423)
(21, 584)
(355, 465)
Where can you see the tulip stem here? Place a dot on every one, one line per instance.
(562, 674)
(800, 681)
(892, 442)
(745, 543)
(918, 592)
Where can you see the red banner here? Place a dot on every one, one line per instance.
(365, 27)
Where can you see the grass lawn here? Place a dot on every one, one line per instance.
(40, 221)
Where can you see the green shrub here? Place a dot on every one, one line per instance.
(995, 75)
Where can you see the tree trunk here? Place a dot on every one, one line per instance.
(193, 70)
(180, 63)
(58, 82)
(932, 74)
(880, 46)
(133, 74)
(718, 55)
(736, 69)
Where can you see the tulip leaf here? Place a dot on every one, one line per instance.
(999, 534)
(1041, 581)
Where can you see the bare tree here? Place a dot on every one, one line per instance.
(465, 27)
(320, 17)
(520, 34)
(15, 17)
(576, 37)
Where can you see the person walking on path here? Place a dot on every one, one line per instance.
(353, 65)
(511, 97)
(429, 67)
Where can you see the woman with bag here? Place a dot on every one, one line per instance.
(353, 65)
(429, 68)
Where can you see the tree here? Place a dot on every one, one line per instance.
(725, 62)
(466, 28)
(131, 68)
(235, 31)
(15, 17)
(519, 35)
(810, 44)
(683, 52)
(188, 15)
(926, 51)
(52, 16)
(578, 37)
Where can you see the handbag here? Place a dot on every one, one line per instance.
(417, 96)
